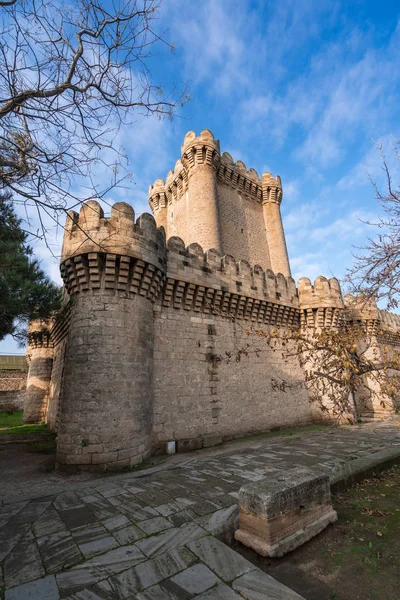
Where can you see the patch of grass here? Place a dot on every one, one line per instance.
(11, 423)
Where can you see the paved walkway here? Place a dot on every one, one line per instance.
(151, 535)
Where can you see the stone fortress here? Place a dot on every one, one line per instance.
(150, 304)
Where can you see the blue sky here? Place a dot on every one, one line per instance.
(296, 87)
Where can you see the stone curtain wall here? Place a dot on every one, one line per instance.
(12, 380)
(12, 401)
(196, 394)
(13, 375)
(208, 305)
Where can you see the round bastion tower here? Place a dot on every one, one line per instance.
(186, 205)
(271, 200)
(40, 355)
(113, 269)
(200, 156)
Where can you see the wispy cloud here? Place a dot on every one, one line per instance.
(293, 87)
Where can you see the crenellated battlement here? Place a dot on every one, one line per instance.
(272, 188)
(359, 309)
(119, 253)
(237, 177)
(133, 257)
(325, 293)
(201, 150)
(90, 231)
(204, 281)
(389, 320)
(205, 150)
(114, 253)
(322, 303)
(39, 334)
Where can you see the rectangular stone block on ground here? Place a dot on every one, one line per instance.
(278, 514)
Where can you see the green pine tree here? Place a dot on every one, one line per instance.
(25, 290)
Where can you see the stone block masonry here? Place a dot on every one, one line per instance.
(13, 375)
(197, 395)
(279, 514)
(139, 355)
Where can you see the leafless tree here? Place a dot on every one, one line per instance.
(341, 365)
(346, 367)
(71, 74)
(376, 270)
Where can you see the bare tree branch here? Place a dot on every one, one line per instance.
(71, 75)
(376, 270)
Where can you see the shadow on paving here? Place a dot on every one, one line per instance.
(152, 534)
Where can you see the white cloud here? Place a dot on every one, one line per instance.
(348, 228)
(308, 265)
(370, 168)
(358, 94)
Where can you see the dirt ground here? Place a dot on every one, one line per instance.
(357, 558)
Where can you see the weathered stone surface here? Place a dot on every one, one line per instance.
(135, 511)
(58, 550)
(257, 585)
(189, 445)
(115, 523)
(152, 526)
(128, 535)
(67, 500)
(285, 492)
(96, 569)
(221, 521)
(211, 477)
(99, 591)
(157, 544)
(49, 522)
(35, 590)
(89, 533)
(78, 516)
(195, 579)
(153, 593)
(278, 514)
(220, 592)
(151, 572)
(212, 440)
(98, 546)
(24, 563)
(221, 559)
(10, 510)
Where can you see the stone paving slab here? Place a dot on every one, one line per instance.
(150, 534)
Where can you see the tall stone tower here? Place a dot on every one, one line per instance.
(40, 355)
(113, 269)
(210, 200)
